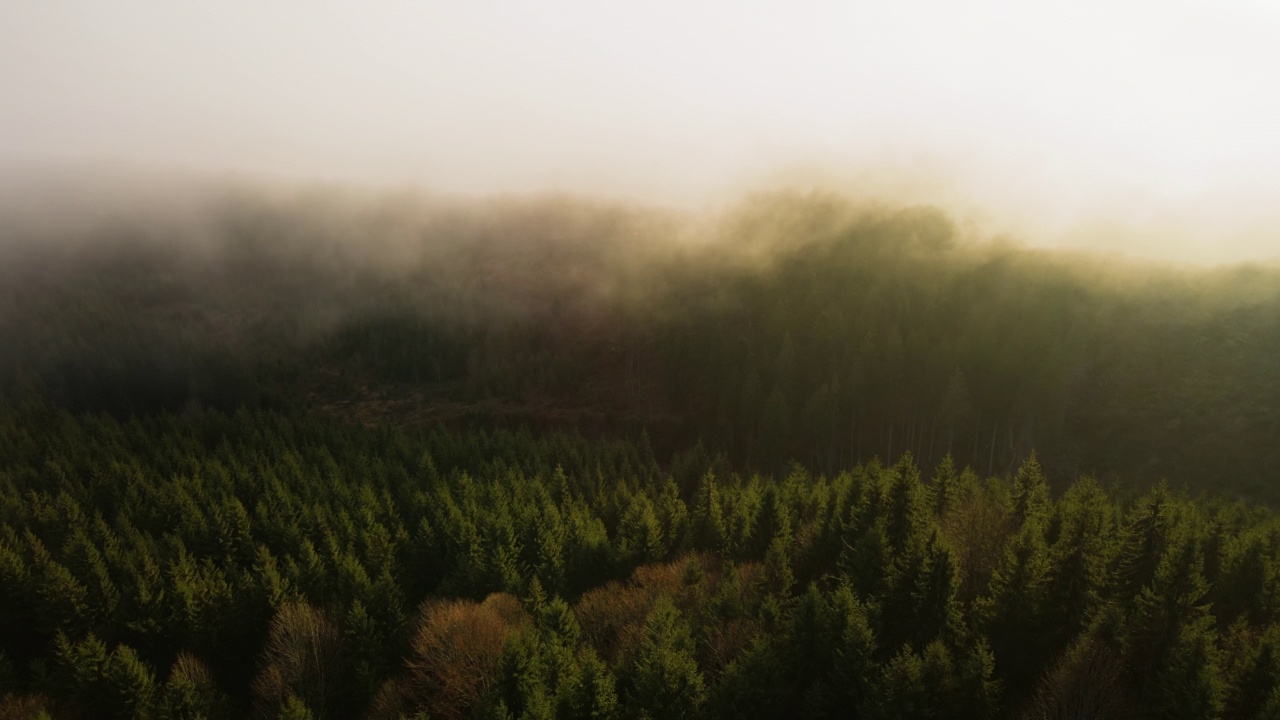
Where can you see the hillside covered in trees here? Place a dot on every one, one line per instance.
(338, 457)
(214, 565)
(794, 327)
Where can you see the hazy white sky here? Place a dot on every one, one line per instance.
(1151, 127)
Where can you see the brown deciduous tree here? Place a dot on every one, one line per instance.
(456, 650)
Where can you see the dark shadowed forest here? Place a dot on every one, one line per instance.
(336, 456)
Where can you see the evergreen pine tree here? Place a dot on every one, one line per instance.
(1030, 491)
(1013, 612)
(663, 679)
(944, 485)
(191, 694)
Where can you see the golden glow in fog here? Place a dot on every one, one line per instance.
(1144, 127)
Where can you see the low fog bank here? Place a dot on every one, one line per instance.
(798, 324)
(50, 205)
(252, 255)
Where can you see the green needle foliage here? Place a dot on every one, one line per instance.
(267, 564)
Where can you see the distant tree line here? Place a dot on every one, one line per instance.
(808, 332)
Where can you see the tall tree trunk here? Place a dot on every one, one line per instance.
(1013, 455)
(855, 438)
(977, 430)
(883, 413)
(991, 458)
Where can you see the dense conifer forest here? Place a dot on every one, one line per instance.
(326, 457)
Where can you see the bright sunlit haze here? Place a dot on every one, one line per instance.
(1143, 128)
